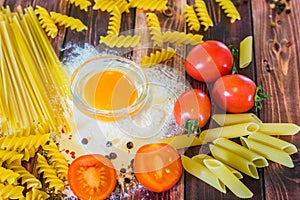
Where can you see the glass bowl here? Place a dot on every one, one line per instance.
(109, 88)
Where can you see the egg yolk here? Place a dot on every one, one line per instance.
(110, 90)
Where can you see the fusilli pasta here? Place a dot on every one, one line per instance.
(182, 38)
(56, 159)
(8, 176)
(114, 23)
(203, 15)
(83, 4)
(11, 192)
(149, 4)
(155, 30)
(35, 194)
(120, 41)
(68, 22)
(46, 21)
(49, 174)
(109, 5)
(157, 57)
(191, 18)
(229, 9)
(26, 177)
(10, 156)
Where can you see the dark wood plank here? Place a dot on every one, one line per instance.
(282, 82)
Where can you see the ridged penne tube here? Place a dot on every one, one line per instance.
(200, 158)
(230, 119)
(200, 171)
(279, 128)
(232, 131)
(230, 181)
(256, 159)
(234, 160)
(274, 142)
(246, 48)
(182, 141)
(270, 153)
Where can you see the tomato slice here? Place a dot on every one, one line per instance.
(92, 176)
(157, 166)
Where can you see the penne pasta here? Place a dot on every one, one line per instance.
(257, 160)
(200, 158)
(230, 181)
(182, 141)
(246, 52)
(270, 153)
(232, 131)
(274, 142)
(200, 171)
(279, 128)
(234, 160)
(230, 119)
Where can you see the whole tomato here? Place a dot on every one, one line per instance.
(234, 93)
(194, 105)
(208, 61)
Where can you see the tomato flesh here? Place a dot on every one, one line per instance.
(157, 166)
(192, 104)
(234, 93)
(91, 177)
(208, 61)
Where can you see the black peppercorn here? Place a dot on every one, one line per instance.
(129, 145)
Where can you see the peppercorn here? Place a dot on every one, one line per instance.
(129, 145)
(113, 155)
(84, 141)
(108, 144)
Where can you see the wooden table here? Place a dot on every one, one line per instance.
(275, 66)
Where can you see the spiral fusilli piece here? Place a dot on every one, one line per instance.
(26, 178)
(68, 22)
(56, 160)
(149, 4)
(49, 174)
(11, 192)
(46, 21)
(191, 18)
(8, 176)
(155, 30)
(229, 9)
(121, 41)
(83, 4)
(182, 38)
(10, 156)
(157, 57)
(109, 5)
(203, 15)
(114, 23)
(35, 194)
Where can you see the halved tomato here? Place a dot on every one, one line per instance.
(157, 166)
(92, 176)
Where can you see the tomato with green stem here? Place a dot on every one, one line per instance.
(236, 93)
(157, 166)
(92, 176)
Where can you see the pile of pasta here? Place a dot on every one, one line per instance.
(26, 158)
(34, 89)
(259, 142)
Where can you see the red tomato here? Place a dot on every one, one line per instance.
(192, 104)
(234, 93)
(92, 176)
(208, 61)
(157, 166)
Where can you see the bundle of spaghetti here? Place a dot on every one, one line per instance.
(157, 57)
(109, 5)
(34, 87)
(229, 9)
(182, 38)
(191, 18)
(83, 4)
(155, 29)
(203, 15)
(149, 4)
(46, 21)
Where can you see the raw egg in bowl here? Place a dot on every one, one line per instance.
(109, 88)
